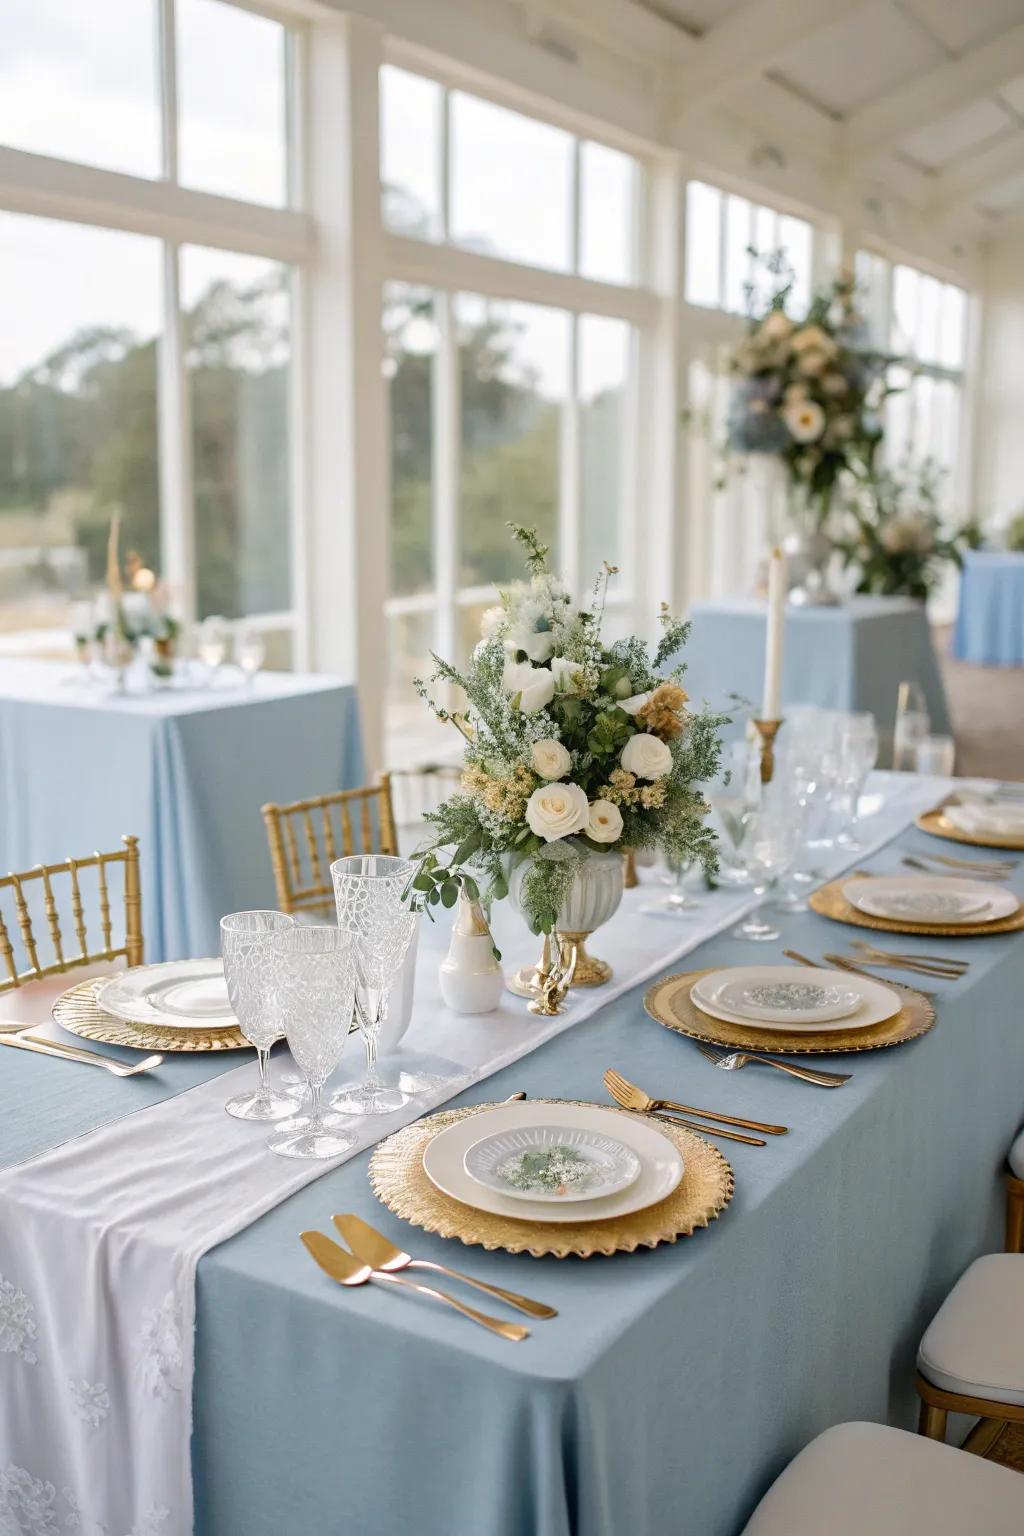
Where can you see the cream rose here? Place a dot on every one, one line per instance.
(534, 685)
(557, 810)
(805, 420)
(775, 326)
(550, 759)
(605, 823)
(647, 756)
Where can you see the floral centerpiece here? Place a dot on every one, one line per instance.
(133, 607)
(895, 540)
(808, 390)
(575, 749)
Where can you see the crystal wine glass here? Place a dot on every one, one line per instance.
(858, 753)
(371, 894)
(315, 985)
(212, 642)
(676, 903)
(250, 961)
(250, 650)
(769, 847)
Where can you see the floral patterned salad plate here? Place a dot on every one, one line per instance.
(554, 1162)
(798, 997)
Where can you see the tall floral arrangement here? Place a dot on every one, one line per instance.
(896, 539)
(808, 389)
(573, 746)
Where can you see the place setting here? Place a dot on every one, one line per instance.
(955, 905)
(994, 821)
(788, 1009)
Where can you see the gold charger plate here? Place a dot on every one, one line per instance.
(398, 1180)
(668, 1001)
(940, 826)
(830, 902)
(78, 1011)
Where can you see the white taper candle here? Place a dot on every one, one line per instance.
(770, 704)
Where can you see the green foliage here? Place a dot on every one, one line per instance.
(1014, 534)
(895, 539)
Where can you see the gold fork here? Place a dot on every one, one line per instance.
(631, 1097)
(689, 1125)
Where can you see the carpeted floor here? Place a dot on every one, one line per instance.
(987, 706)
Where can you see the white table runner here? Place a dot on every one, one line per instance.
(100, 1238)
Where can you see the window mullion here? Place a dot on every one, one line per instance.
(177, 502)
(569, 479)
(168, 65)
(446, 448)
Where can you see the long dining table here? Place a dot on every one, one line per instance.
(676, 1382)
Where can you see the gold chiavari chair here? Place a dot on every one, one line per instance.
(33, 978)
(306, 837)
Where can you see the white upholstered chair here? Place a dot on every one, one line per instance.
(869, 1480)
(971, 1359)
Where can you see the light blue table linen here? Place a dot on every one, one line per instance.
(187, 772)
(990, 619)
(676, 1383)
(852, 657)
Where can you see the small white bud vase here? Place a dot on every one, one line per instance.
(471, 978)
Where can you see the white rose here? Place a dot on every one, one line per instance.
(647, 756)
(812, 336)
(605, 823)
(775, 326)
(550, 759)
(568, 675)
(535, 685)
(813, 362)
(557, 810)
(634, 705)
(805, 420)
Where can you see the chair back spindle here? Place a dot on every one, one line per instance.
(303, 842)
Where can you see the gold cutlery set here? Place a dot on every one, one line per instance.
(24, 1038)
(370, 1256)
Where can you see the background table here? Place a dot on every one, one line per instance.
(990, 620)
(676, 1383)
(187, 771)
(851, 657)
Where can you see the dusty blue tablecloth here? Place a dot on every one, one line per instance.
(851, 657)
(675, 1383)
(990, 620)
(186, 771)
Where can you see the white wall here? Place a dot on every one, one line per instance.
(999, 419)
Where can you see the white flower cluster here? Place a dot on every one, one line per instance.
(910, 534)
(557, 810)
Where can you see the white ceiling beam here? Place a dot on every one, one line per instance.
(935, 94)
(749, 39)
(987, 167)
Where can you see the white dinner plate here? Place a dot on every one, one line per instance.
(929, 899)
(877, 1002)
(556, 1163)
(661, 1164)
(1002, 820)
(177, 994)
(775, 994)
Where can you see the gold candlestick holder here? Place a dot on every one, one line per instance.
(767, 730)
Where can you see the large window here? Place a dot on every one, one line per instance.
(502, 408)
(921, 321)
(727, 239)
(142, 374)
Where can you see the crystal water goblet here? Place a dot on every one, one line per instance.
(212, 643)
(314, 980)
(250, 963)
(250, 650)
(371, 892)
(769, 848)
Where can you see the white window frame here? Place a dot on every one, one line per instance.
(61, 189)
(447, 269)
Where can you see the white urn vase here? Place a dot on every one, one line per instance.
(593, 898)
(471, 978)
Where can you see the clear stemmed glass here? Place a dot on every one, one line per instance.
(858, 753)
(212, 643)
(733, 796)
(371, 894)
(314, 980)
(676, 903)
(250, 960)
(769, 847)
(250, 650)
